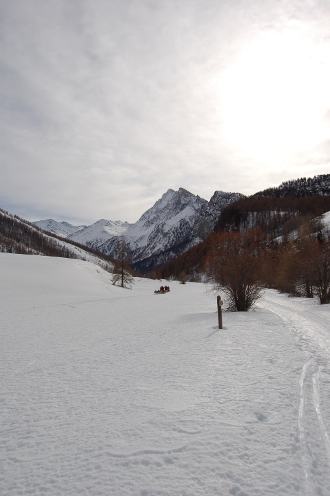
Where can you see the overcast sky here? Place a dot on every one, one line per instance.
(105, 104)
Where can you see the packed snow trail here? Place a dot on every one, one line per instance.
(311, 326)
(106, 391)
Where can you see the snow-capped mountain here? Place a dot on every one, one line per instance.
(176, 222)
(167, 228)
(102, 230)
(62, 228)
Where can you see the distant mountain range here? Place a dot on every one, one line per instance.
(177, 221)
(175, 224)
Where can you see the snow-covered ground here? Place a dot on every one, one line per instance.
(114, 392)
(325, 219)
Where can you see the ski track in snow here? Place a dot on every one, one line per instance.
(111, 392)
(301, 425)
(317, 406)
(313, 336)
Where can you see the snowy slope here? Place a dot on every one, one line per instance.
(106, 391)
(62, 228)
(100, 231)
(81, 253)
(326, 223)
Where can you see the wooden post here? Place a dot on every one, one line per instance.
(219, 303)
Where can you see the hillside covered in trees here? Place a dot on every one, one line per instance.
(276, 216)
(273, 239)
(304, 186)
(18, 235)
(279, 211)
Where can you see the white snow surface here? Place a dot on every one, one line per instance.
(61, 228)
(326, 221)
(85, 255)
(100, 231)
(110, 391)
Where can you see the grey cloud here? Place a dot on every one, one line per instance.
(106, 104)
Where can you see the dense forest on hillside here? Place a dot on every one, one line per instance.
(304, 186)
(18, 235)
(274, 239)
(275, 215)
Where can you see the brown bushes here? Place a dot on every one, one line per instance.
(233, 264)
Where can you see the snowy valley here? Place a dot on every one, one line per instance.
(165, 248)
(106, 390)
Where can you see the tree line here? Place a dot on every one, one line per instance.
(244, 262)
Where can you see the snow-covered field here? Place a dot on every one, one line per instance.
(114, 392)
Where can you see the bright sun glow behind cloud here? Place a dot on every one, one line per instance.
(106, 104)
(275, 96)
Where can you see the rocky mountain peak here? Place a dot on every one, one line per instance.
(177, 221)
(169, 205)
(220, 199)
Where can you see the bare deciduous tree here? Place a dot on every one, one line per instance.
(122, 266)
(183, 278)
(234, 267)
(322, 272)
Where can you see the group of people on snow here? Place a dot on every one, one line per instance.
(162, 290)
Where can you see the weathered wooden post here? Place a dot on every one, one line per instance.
(219, 303)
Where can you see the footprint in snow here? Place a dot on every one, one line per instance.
(261, 417)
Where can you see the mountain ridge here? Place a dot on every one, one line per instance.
(175, 222)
